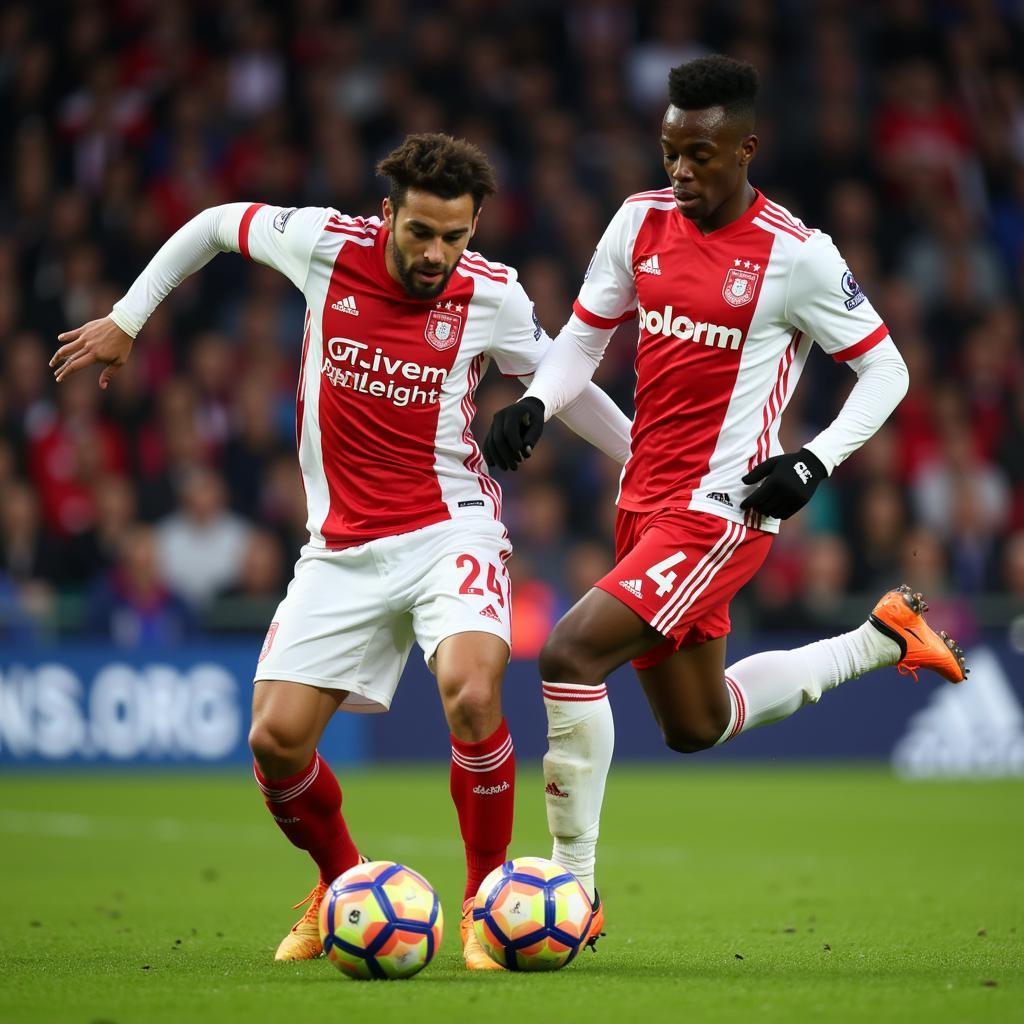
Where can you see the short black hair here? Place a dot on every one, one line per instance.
(715, 81)
(436, 163)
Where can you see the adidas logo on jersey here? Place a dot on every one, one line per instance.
(650, 266)
(490, 613)
(635, 587)
(346, 305)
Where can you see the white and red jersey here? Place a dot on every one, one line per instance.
(726, 321)
(386, 384)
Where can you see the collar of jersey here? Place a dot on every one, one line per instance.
(727, 229)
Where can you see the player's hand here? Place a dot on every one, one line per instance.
(514, 432)
(787, 483)
(98, 341)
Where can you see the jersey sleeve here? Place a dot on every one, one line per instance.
(607, 297)
(518, 342)
(826, 303)
(282, 238)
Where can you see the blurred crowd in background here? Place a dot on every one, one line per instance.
(170, 505)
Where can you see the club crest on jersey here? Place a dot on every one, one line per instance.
(740, 283)
(443, 329)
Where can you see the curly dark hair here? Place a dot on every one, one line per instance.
(715, 81)
(436, 163)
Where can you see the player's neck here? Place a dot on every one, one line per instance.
(732, 209)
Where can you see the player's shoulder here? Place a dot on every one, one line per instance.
(786, 226)
(637, 210)
(365, 228)
(652, 198)
(490, 277)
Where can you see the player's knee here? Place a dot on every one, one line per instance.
(275, 751)
(690, 737)
(564, 659)
(473, 709)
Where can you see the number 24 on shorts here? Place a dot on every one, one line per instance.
(469, 583)
(661, 575)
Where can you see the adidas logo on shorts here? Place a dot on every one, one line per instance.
(635, 587)
(490, 613)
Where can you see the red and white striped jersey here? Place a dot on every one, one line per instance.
(726, 321)
(386, 384)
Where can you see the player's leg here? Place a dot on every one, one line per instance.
(298, 786)
(688, 695)
(666, 561)
(469, 668)
(699, 702)
(301, 792)
(594, 638)
(461, 620)
(333, 643)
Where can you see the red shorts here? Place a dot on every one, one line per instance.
(678, 570)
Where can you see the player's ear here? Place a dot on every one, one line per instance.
(472, 229)
(748, 147)
(387, 213)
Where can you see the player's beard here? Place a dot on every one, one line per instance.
(409, 283)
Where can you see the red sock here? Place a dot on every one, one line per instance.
(307, 809)
(483, 784)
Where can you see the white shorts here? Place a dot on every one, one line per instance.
(350, 617)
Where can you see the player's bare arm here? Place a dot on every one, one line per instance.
(98, 341)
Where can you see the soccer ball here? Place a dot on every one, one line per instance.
(530, 914)
(380, 920)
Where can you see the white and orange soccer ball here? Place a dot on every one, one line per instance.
(531, 914)
(380, 920)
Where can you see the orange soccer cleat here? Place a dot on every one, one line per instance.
(473, 953)
(900, 616)
(596, 924)
(303, 941)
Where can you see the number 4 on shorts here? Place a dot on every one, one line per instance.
(660, 574)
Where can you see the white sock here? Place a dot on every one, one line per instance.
(770, 686)
(581, 737)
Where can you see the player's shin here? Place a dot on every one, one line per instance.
(581, 737)
(483, 781)
(770, 686)
(307, 809)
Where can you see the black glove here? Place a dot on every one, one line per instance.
(514, 432)
(787, 483)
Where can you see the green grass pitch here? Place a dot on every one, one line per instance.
(757, 894)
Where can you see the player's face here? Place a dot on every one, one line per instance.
(705, 155)
(428, 237)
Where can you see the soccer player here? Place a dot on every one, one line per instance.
(406, 541)
(730, 290)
